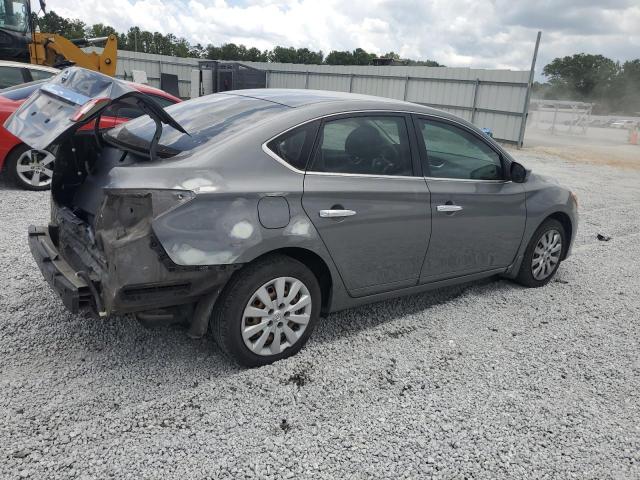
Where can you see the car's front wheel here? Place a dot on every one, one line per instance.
(267, 311)
(31, 169)
(543, 255)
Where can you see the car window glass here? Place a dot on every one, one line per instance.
(162, 101)
(208, 119)
(131, 112)
(364, 145)
(453, 152)
(10, 76)
(293, 146)
(122, 111)
(40, 74)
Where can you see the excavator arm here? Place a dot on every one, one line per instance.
(54, 50)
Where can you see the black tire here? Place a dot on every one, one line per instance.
(525, 274)
(227, 318)
(12, 170)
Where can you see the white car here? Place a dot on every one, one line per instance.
(622, 124)
(15, 73)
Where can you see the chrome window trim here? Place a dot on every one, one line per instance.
(273, 155)
(448, 179)
(364, 175)
(283, 162)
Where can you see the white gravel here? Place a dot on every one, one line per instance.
(487, 380)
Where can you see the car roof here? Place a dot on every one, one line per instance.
(298, 98)
(7, 63)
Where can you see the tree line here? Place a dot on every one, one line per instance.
(611, 85)
(136, 39)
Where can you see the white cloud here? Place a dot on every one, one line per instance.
(494, 34)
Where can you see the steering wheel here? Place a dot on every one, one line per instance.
(386, 161)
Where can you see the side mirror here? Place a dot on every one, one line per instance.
(518, 173)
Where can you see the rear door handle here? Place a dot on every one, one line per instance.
(337, 213)
(449, 208)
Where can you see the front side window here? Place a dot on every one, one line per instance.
(10, 76)
(365, 145)
(452, 152)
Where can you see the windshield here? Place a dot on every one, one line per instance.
(14, 15)
(214, 116)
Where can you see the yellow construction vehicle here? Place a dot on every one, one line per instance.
(21, 41)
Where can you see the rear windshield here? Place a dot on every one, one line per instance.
(214, 116)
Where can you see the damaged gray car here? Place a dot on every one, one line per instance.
(255, 212)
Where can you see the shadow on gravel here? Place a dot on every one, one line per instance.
(7, 184)
(153, 355)
(353, 321)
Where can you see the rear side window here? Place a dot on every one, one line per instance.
(376, 145)
(453, 152)
(40, 74)
(294, 146)
(10, 76)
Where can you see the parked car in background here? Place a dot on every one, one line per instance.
(255, 211)
(622, 124)
(15, 73)
(32, 169)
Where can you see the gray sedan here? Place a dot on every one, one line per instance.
(255, 212)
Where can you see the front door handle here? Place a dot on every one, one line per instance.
(449, 208)
(337, 213)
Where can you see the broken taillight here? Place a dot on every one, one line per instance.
(89, 108)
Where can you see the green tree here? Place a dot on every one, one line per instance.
(582, 76)
(255, 55)
(336, 57)
(51, 22)
(283, 55)
(99, 30)
(626, 88)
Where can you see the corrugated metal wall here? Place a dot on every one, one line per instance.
(154, 65)
(493, 99)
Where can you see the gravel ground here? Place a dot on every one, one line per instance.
(486, 380)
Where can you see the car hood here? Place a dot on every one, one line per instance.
(71, 99)
(544, 179)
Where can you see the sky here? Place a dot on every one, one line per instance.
(457, 33)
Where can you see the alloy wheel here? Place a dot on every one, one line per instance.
(276, 316)
(35, 167)
(546, 255)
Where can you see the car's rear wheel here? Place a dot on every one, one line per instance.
(267, 311)
(543, 255)
(30, 169)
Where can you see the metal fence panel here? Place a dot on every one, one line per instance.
(493, 99)
(154, 65)
(488, 98)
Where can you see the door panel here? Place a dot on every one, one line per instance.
(484, 234)
(478, 217)
(380, 247)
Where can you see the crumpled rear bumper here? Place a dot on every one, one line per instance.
(136, 278)
(63, 279)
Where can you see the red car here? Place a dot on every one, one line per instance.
(33, 169)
